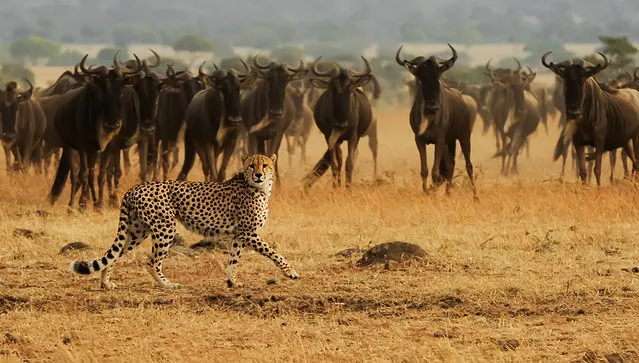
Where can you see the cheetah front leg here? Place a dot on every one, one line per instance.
(255, 242)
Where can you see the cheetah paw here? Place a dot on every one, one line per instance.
(292, 274)
(108, 285)
(171, 285)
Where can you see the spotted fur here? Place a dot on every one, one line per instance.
(238, 207)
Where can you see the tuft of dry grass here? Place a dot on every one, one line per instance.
(538, 270)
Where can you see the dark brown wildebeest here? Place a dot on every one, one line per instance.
(138, 126)
(596, 115)
(440, 116)
(176, 93)
(23, 124)
(520, 107)
(213, 121)
(51, 142)
(342, 113)
(298, 133)
(267, 111)
(87, 119)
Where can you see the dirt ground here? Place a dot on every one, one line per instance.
(538, 271)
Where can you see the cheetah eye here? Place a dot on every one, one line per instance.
(252, 166)
(264, 166)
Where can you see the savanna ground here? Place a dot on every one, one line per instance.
(538, 270)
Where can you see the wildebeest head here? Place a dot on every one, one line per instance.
(341, 84)
(514, 83)
(228, 83)
(147, 87)
(276, 77)
(110, 81)
(574, 75)
(428, 72)
(298, 90)
(9, 100)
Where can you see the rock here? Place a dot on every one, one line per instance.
(181, 251)
(349, 252)
(73, 246)
(27, 233)
(271, 281)
(178, 240)
(391, 251)
(210, 245)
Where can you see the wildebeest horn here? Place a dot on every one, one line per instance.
(259, 66)
(401, 62)
(550, 65)
(449, 63)
(601, 67)
(296, 70)
(247, 68)
(84, 69)
(316, 71)
(157, 59)
(75, 69)
(368, 70)
(200, 72)
(116, 63)
(30, 85)
(125, 70)
(215, 66)
(518, 65)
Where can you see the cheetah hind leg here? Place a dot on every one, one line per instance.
(161, 244)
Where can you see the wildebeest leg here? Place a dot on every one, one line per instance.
(92, 157)
(116, 170)
(176, 156)
(527, 145)
(127, 159)
(336, 165)
(581, 163)
(189, 156)
(624, 161)
(203, 153)
(465, 147)
(227, 153)
(497, 138)
(143, 152)
(7, 156)
(598, 157)
(449, 165)
(37, 159)
(105, 158)
(350, 159)
(83, 175)
(272, 147)
(290, 149)
(440, 149)
(421, 147)
(373, 144)
(153, 156)
(613, 163)
(634, 155)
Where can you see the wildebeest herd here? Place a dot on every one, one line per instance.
(94, 115)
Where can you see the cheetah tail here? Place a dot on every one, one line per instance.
(89, 267)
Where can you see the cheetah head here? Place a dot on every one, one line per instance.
(259, 171)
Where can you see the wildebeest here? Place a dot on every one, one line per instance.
(513, 101)
(342, 113)
(267, 111)
(23, 124)
(87, 120)
(298, 132)
(440, 116)
(138, 126)
(176, 93)
(596, 115)
(213, 121)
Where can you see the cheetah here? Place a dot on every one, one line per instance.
(238, 207)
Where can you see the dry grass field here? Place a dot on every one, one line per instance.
(537, 271)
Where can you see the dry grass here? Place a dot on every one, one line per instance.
(537, 271)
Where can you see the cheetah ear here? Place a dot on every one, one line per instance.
(273, 157)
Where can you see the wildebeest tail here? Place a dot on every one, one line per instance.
(189, 155)
(112, 254)
(563, 142)
(321, 167)
(61, 175)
